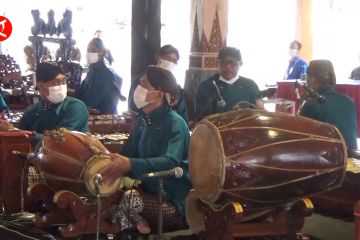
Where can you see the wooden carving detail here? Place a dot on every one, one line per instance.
(202, 45)
(210, 62)
(195, 42)
(196, 61)
(215, 43)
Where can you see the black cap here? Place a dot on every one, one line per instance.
(230, 52)
(162, 79)
(47, 71)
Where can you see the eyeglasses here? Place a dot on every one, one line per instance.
(232, 63)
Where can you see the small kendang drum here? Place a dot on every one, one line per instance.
(69, 160)
(263, 159)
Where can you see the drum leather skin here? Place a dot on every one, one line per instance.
(264, 158)
(68, 160)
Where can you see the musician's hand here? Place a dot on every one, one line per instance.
(5, 125)
(118, 167)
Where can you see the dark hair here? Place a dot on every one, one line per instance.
(168, 49)
(230, 52)
(98, 43)
(47, 71)
(323, 71)
(162, 79)
(298, 44)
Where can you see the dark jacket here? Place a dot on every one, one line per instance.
(99, 89)
(337, 109)
(70, 113)
(159, 141)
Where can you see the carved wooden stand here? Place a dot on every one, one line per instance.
(225, 224)
(66, 208)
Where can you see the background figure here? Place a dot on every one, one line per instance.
(39, 23)
(75, 54)
(355, 74)
(51, 25)
(337, 109)
(159, 141)
(99, 89)
(226, 89)
(297, 66)
(167, 58)
(30, 58)
(108, 61)
(64, 25)
(108, 56)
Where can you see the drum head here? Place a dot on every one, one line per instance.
(207, 162)
(194, 217)
(94, 166)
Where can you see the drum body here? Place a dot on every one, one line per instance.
(69, 160)
(262, 158)
(13, 170)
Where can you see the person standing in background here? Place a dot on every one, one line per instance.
(297, 66)
(99, 90)
(108, 59)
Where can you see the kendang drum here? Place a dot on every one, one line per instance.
(264, 159)
(69, 160)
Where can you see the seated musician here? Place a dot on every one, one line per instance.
(55, 110)
(167, 57)
(337, 109)
(99, 90)
(225, 90)
(158, 142)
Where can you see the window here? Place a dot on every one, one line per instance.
(262, 30)
(175, 30)
(335, 34)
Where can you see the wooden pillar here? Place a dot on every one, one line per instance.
(209, 26)
(145, 33)
(304, 28)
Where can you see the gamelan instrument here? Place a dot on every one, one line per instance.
(69, 160)
(13, 170)
(264, 158)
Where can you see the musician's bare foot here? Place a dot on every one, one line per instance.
(143, 227)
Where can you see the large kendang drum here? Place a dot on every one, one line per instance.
(69, 160)
(263, 159)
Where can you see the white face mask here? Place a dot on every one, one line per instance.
(293, 52)
(57, 94)
(170, 66)
(92, 57)
(140, 96)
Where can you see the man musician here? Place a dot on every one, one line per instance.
(226, 89)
